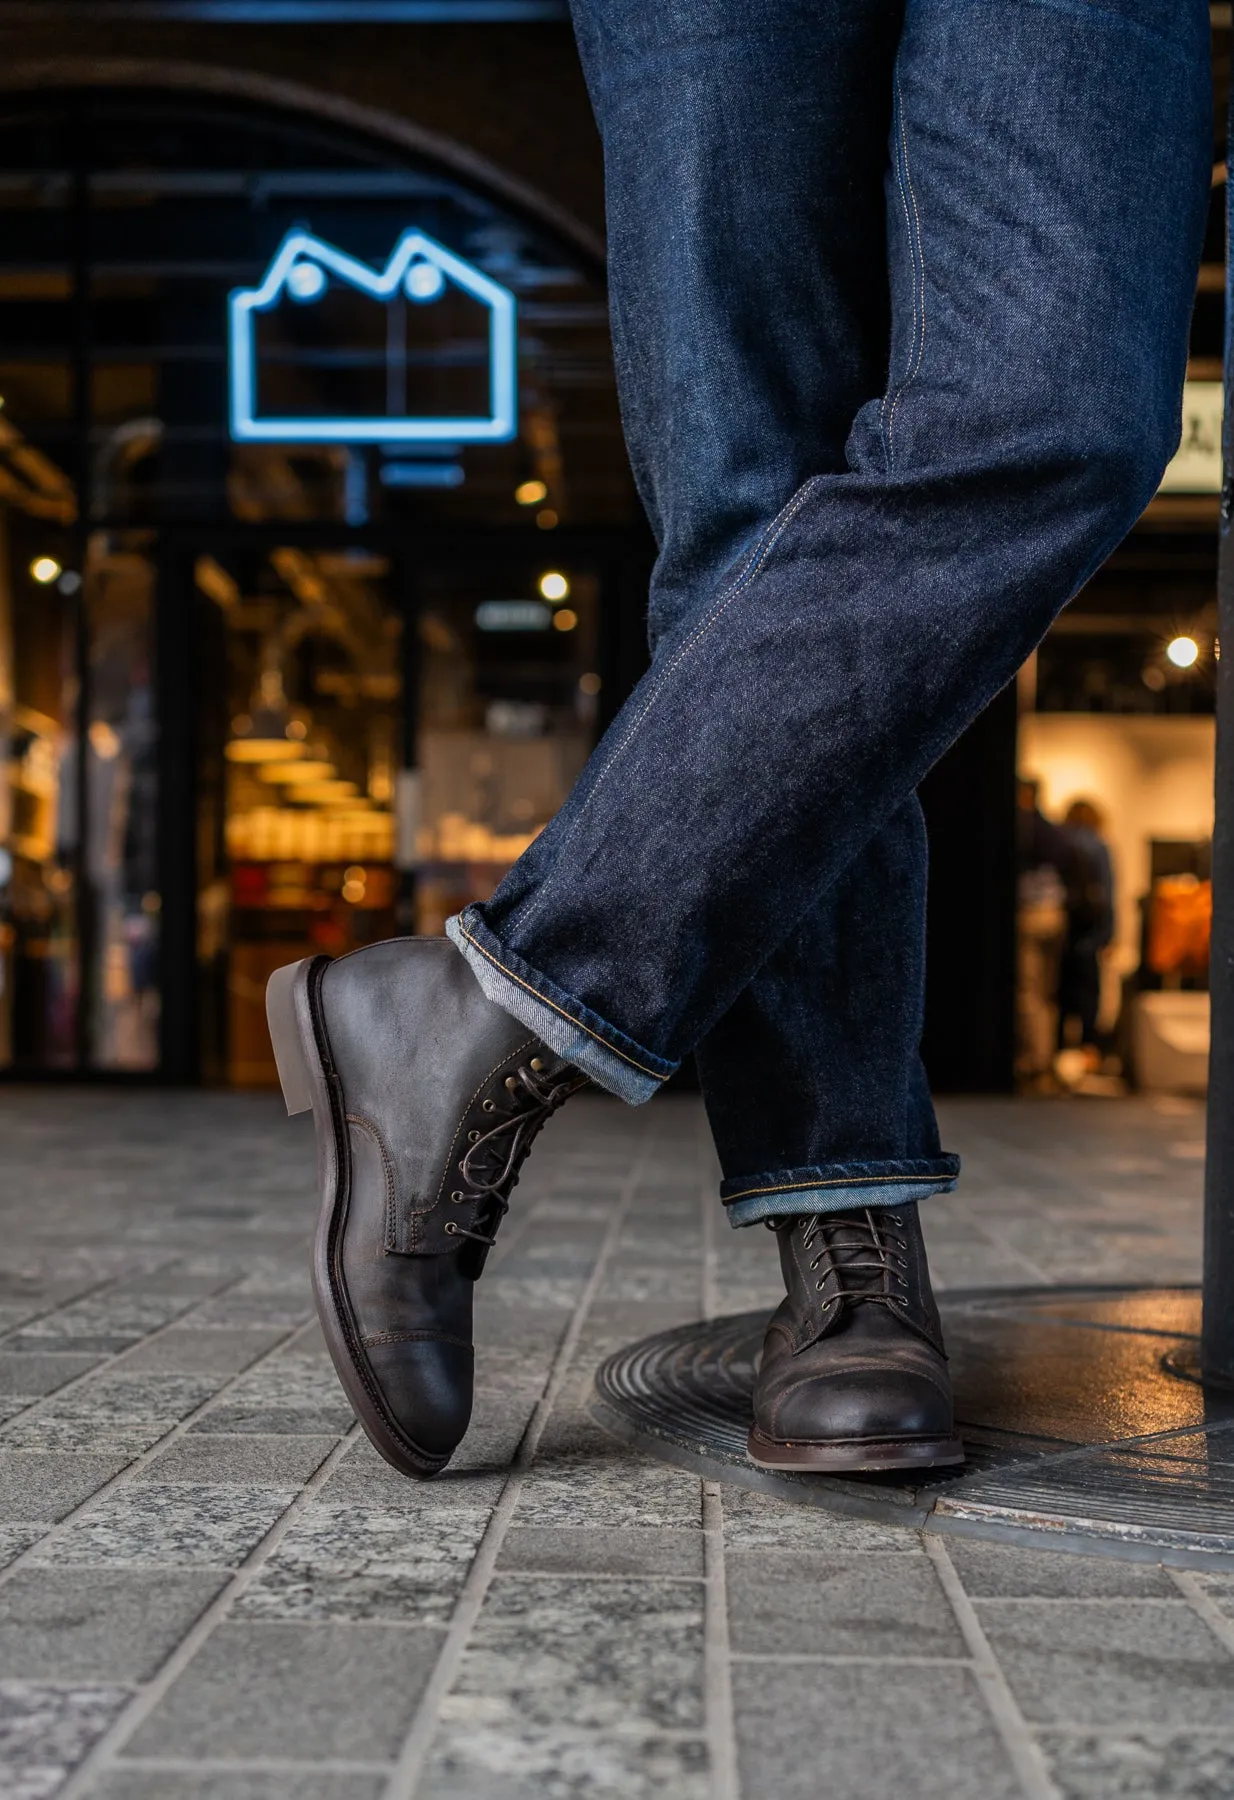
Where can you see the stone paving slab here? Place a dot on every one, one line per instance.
(211, 1588)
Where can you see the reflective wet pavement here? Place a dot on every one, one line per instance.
(215, 1591)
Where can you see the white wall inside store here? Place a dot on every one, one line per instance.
(1151, 777)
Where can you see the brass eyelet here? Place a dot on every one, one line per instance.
(511, 1083)
(537, 1063)
(473, 1137)
(819, 1286)
(456, 1196)
(451, 1228)
(489, 1106)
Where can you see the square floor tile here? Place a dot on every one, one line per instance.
(309, 1692)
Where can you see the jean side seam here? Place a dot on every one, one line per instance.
(775, 531)
(828, 1181)
(904, 181)
(560, 1010)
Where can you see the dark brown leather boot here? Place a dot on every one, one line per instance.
(853, 1375)
(426, 1097)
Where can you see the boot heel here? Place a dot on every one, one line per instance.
(286, 1034)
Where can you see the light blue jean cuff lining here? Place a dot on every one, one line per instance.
(757, 1207)
(608, 1070)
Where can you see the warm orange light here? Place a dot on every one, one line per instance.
(564, 619)
(553, 585)
(262, 750)
(296, 771)
(530, 493)
(321, 793)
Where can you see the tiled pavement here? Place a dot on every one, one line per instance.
(216, 1591)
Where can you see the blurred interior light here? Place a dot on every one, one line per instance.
(589, 683)
(296, 771)
(530, 493)
(546, 518)
(1183, 652)
(263, 750)
(45, 568)
(104, 740)
(319, 793)
(564, 619)
(553, 585)
(296, 728)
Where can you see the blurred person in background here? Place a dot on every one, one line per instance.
(1044, 861)
(1090, 927)
(900, 303)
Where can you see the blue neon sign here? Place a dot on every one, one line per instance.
(418, 268)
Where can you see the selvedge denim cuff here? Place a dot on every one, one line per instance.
(611, 1059)
(839, 1187)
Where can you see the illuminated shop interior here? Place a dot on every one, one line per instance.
(307, 566)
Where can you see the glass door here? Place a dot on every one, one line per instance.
(380, 737)
(302, 690)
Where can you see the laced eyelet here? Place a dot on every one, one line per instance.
(451, 1228)
(489, 1106)
(473, 1137)
(819, 1286)
(456, 1196)
(815, 1263)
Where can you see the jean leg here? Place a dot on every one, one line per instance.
(730, 404)
(1045, 212)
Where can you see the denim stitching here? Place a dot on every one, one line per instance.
(560, 1010)
(793, 1187)
(759, 555)
(904, 177)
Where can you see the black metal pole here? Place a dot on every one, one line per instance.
(1217, 1338)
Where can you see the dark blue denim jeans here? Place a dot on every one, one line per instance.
(900, 301)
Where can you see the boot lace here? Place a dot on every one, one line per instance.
(865, 1253)
(490, 1165)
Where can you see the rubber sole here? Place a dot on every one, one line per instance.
(310, 1084)
(854, 1456)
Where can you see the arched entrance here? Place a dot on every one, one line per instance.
(306, 565)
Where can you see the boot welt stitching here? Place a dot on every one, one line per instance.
(377, 1338)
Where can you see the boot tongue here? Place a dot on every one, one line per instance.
(854, 1256)
(836, 1267)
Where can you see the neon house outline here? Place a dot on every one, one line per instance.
(301, 248)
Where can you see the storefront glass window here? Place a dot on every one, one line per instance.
(324, 690)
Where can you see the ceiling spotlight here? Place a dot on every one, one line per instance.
(45, 569)
(1183, 652)
(530, 493)
(554, 586)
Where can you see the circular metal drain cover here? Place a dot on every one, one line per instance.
(1077, 1433)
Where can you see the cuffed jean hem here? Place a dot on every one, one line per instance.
(842, 1188)
(605, 1054)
